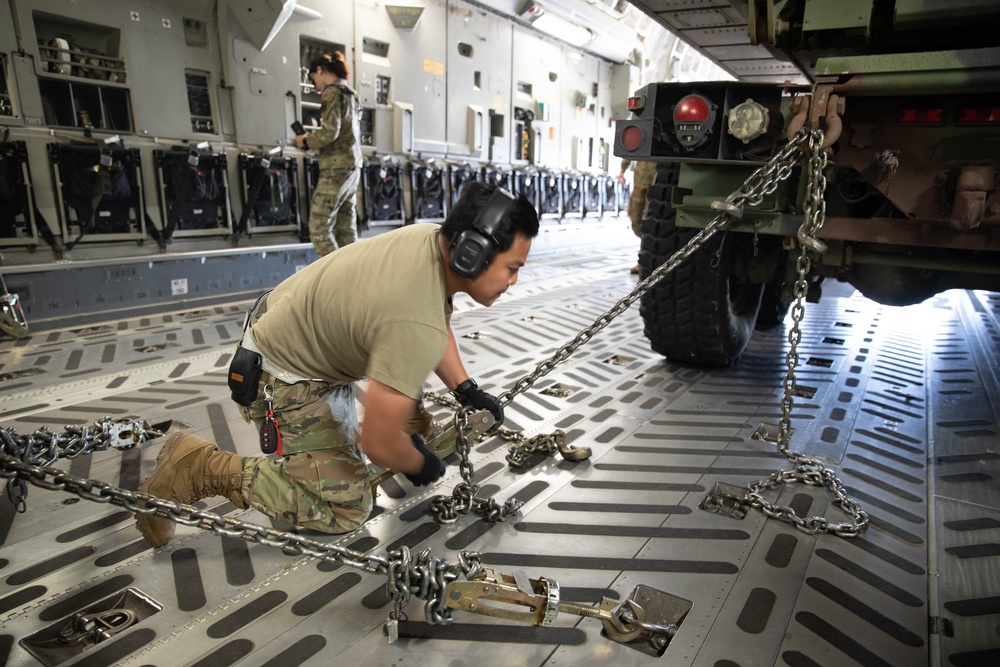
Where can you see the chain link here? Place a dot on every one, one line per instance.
(426, 577)
(759, 184)
(43, 447)
(806, 470)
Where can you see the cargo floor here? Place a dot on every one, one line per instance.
(905, 410)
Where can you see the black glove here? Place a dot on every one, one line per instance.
(433, 466)
(469, 394)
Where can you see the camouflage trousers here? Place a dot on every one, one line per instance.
(643, 175)
(333, 211)
(321, 483)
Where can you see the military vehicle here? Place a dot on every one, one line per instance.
(905, 94)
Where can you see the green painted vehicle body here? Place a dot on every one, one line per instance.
(908, 96)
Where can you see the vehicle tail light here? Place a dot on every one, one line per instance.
(692, 109)
(632, 137)
(979, 115)
(921, 116)
(694, 117)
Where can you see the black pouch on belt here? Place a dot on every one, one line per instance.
(244, 376)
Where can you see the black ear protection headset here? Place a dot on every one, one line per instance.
(473, 249)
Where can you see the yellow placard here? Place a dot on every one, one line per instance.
(433, 67)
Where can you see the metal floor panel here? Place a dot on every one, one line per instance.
(905, 409)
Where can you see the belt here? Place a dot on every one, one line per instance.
(274, 369)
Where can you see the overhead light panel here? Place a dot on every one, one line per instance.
(556, 26)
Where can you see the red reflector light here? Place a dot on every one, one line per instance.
(980, 115)
(921, 115)
(692, 109)
(636, 103)
(632, 138)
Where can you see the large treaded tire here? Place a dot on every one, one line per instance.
(700, 313)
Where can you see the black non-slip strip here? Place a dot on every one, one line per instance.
(686, 470)
(67, 606)
(227, 654)
(982, 523)
(986, 656)
(891, 508)
(415, 536)
(893, 529)
(627, 508)
(481, 527)
(325, 594)
(756, 611)
(840, 640)
(635, 486)
(298, 653)
(187, 580)
(870, 578)
(93, 527)
(864, 612)
(246, 614)
(974, 606)
(631, 531)
(886, 485)
(780, 552)
(504, 634)
(613, 564)
(236, 556)
(966, 477)
(49, 566)
(124, 645)
(889, 557)
(21, 597)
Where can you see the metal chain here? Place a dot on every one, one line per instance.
(806, 470)
(43, 447)
(425, 578)
(758, 185)
(522, 446)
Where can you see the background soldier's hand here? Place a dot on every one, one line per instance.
(433, 466)
(470, 395)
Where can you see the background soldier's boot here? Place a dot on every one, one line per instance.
(189, 468)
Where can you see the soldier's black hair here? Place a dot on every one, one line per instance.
(335, 63)
(520, 218)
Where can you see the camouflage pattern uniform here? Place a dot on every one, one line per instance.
(644, 172)
(320, 482)
(333, 209)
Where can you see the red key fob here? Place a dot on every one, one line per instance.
(270, 436)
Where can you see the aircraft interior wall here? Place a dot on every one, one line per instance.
(450, 90)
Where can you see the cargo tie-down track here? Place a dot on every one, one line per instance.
(905, 410)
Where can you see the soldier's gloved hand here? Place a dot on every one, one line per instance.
(469, 394)
(433, 466)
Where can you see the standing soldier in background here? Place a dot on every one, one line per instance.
(643, 174)
(333, 210)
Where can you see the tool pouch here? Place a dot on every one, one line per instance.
(244, 376)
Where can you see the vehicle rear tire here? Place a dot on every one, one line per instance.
(702, 312)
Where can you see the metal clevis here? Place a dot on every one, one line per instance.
(646, 621)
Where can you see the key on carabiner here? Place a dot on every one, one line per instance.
(270, 436)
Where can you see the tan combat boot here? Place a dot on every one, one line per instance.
(189, 468)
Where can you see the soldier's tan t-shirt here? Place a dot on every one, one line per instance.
(376, 308)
